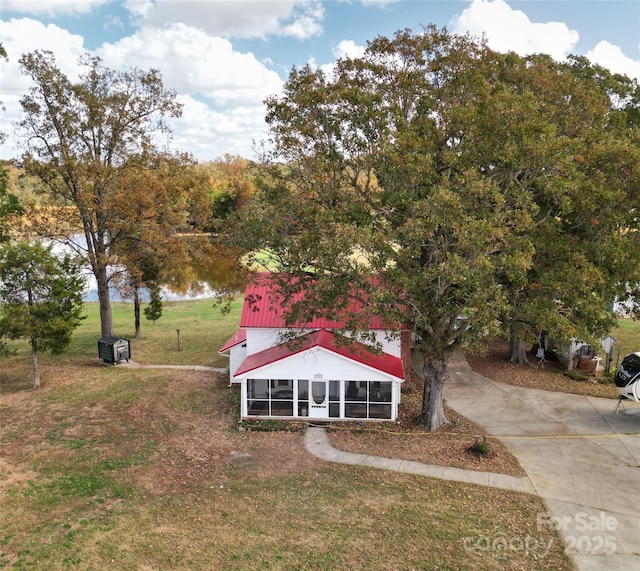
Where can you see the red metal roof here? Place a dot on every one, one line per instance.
(352, 350)
(238, 337)
(263, 308)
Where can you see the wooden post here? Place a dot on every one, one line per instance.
(178, 331)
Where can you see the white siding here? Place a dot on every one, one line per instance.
(237, 354)
(389, 346)
(261, 339)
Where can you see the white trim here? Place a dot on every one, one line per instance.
(269, 370)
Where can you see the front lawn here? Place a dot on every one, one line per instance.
(116, 468)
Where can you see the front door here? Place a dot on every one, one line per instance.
(319, 401)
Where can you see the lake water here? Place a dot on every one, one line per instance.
(199, 280)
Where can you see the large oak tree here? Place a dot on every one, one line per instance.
(80, 139)
(414, 176)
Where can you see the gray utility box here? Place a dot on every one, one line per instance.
(114, 349)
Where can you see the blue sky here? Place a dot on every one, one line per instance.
(223, 57)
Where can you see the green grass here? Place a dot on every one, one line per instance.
(628, 335)
(117, 468)
(203, 330)
(95, 496)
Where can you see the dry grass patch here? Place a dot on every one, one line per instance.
(335, 518)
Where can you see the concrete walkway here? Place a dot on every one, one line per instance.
(134, 365)
(582, 460)
(317, 443)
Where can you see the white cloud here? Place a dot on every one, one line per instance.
(348, 49)
(52, 8)
(139, 8)
(382, 3)
(302, 28)
(113, 23)
(201, 67)
(610, 56)
(192, 62)
(507, 29)
(209, 134)
(20, 36)
(344, 50)
(227, 18)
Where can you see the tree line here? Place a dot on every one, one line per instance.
(460, 191)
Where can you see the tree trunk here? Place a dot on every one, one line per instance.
(570, 363)
(136, 310)
(104, 299)
(435, 374)
(517, 348)
(517, 351)
(36, 365)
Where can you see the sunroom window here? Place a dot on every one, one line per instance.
(368, 399)
(270, 397)
(334, 399)
(346, 399)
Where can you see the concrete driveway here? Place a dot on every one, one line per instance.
(581, 459)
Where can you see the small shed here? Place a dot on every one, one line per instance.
(114, 349)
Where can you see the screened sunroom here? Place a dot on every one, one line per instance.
(320, 380)
(317, 398)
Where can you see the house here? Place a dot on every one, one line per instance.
(321, 375)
